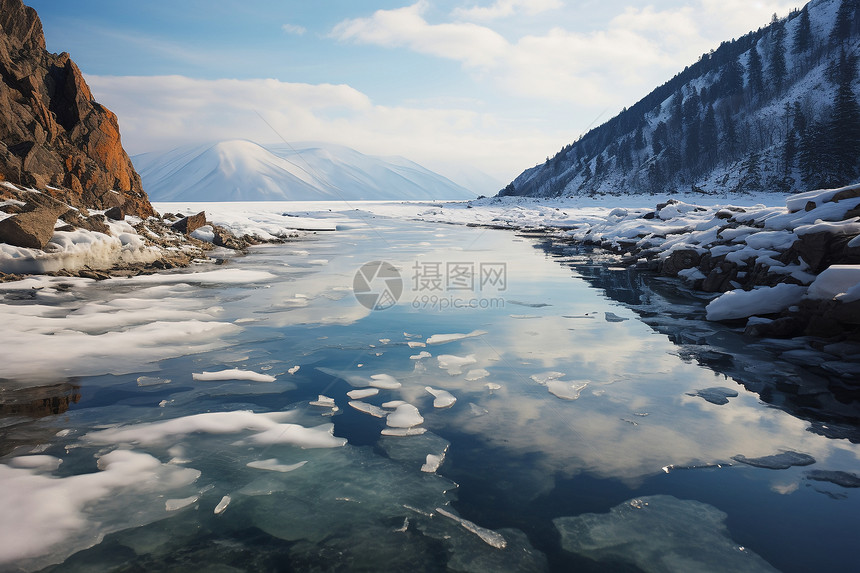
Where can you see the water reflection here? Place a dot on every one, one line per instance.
(38, 402)
(804, 389)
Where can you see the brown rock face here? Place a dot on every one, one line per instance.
(51, 130)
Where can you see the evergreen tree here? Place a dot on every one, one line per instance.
(732, 78)
(803, 34)
(586, 173)
(751, 178)
(639, 139)
(710, 137)
(599, 167)
(691, 150)
(731, 141)
(676, 113)
(844, 125)
(659, 139)
(789, 147)
(845, 21)
(756, 81)
(777, 70)
(691, 107)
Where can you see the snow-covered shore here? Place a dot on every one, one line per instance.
(792, 268)
(789, 268)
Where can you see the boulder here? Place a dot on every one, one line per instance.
(680, 260)
(191, 223)
(31, 229)
(115, 213)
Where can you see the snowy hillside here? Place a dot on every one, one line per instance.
(775, 110)
(240, 170)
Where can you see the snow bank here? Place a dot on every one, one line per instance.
(74, 250)
(763, 300)
(838, 281)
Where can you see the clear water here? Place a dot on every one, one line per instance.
(518, 456)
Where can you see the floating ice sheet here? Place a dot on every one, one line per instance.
(267, 428)
(273, 465)
(234, 374)
(476, 374)
(442, 398)
(374, 411)
(659, 534)
(455, 364)
(566, 390)
(362, 393)
(47, 518)
(488, 536)
(445, 338)
(404, 416)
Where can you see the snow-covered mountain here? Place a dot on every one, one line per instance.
(775, 110)
(240, 170)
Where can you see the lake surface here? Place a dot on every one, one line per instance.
(585, 436)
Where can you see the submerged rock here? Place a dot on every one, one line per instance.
(842, 479)
(781, 461)
(718, 396)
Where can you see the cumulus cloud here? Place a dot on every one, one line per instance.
(505, 9)
(638, 49)
(164, 112)
(474, 45)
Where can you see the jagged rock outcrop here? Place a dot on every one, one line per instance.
(52, 132)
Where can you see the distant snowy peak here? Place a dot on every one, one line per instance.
(240, 170)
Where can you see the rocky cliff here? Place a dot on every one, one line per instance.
(53, 135)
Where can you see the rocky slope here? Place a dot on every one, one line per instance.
(775, 110)
(53, 135)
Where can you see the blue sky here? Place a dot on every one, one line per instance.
(498, 85)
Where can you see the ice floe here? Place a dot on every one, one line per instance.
(234, 374)
(476, 374)
(488, 536)
(267, 428)
(362, 393)
(659, 534)
(442, 398)
(38, 530)
(566, 390)
(222, 505)
(404, 416)
(374, 411)
(273, 465)
(445, 338)
(455, 364)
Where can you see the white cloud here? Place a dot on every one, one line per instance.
(505, 9)
(639, 48)
(474, 45)
(163, 112)
(293, 29)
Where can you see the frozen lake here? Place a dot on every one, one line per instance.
(503, 409)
